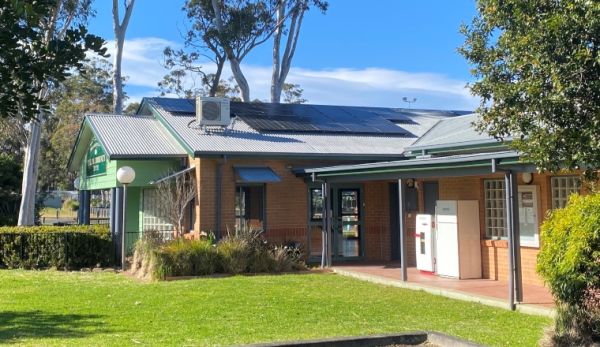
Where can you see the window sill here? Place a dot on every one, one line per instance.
(504, 244)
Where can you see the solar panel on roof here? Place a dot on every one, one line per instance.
(176, 105)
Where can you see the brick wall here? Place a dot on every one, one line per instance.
(287, 204)
(377, 220)
(494, 253)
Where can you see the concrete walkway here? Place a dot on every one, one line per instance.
(536, 299)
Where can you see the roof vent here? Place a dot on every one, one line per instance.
(211, 111)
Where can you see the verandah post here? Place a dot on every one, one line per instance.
(402, 230)
(325, 213)
(516, 241)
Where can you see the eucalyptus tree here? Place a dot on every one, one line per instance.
(42, 42)
(228, 30)
(289, 16)
(537, 65)
(119, 27)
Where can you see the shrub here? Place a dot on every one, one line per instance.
(233, 254)
(242, 252)
(70, 205)
(186, 258)
(68, 247)
(569, 263)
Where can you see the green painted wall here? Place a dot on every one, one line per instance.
(145, 172)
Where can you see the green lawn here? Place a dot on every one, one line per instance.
(58, 308)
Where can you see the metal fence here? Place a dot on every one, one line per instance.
(99, 215)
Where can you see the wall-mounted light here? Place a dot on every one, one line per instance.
(410, 183)
(527, 177)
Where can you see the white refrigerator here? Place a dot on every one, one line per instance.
(458, 239)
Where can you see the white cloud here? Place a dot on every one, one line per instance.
(343, 86)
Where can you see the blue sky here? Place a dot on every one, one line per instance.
(359, 53)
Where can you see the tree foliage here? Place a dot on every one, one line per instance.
(87, 92)
(292, 94)
(569, 263)
(37, 54)
(10, 183)
(538, 77)
(224, 30)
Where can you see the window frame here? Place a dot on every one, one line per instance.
(238, 188)
(557, 200)
(150, 216)
(495, 209)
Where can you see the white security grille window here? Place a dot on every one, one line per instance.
(495, 212)
(155, 214)
(562, 187)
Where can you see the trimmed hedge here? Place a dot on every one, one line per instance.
(61, 247)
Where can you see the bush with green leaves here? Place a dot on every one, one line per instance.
(242, 252)
(66, 247)
(569, 263)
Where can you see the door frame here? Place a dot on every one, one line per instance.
(536, 208)
(336, 223)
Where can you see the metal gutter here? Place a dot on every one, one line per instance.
(412, 162)
(451, 146)
(233, 155)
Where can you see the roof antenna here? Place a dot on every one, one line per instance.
(409, 101)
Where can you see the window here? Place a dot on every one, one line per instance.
(495, 217)
(249, 207)
(192, 215)
(316, 204)
(562, 187)
(155, 214)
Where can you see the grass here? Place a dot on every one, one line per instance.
(50, 212)
(72, 308)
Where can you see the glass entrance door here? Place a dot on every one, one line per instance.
(347, 223)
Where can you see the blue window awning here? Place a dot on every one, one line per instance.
(256, 175)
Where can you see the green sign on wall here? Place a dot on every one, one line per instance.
(95, 160)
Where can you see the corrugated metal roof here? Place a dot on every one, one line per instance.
(133, 136)
(453, 131)
(239, 138)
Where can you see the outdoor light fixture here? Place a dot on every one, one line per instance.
(410, 183)
(527, 177)
(125, 175)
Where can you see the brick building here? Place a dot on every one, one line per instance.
(269, 166)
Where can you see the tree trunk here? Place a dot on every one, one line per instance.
(281, 68)
(117, 79)
(30, 174)
(119, 28)
(233, 59)
(217, 78)
(240, 79)
(275, 86)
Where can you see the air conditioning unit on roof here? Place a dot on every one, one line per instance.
(212, 111)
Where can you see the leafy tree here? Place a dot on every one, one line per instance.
(10, 178)
(292, 94)
(228, 30)
(87, 92)
(42, 42)
(132, 108)
(538, 76)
